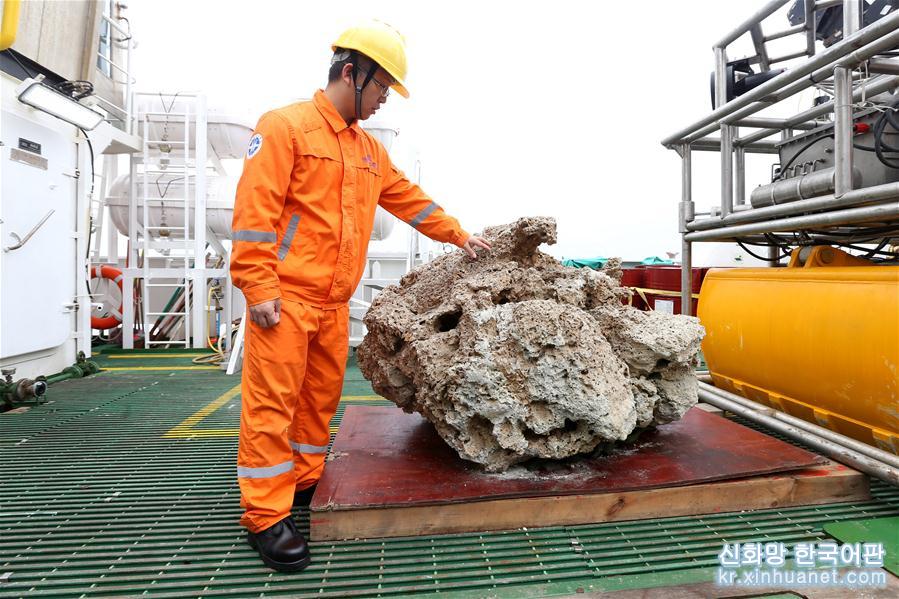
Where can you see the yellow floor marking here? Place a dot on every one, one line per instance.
(163, 368)
(190, 421)
(150, 356)
(185, 430)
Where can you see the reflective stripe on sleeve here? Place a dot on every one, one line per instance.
(304, 448)
(247, 235)
(288, 236)
(265, 471)
(423, 214)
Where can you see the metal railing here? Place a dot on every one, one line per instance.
(124, 112)
(845, 206)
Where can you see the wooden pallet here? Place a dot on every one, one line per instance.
(390, 475)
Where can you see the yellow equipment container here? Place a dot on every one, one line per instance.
(818, 340)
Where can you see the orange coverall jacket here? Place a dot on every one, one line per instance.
(305, 206)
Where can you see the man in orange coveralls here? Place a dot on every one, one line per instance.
(303, 216)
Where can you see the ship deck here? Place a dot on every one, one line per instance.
(123, 484)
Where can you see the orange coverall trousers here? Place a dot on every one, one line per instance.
(294, 374)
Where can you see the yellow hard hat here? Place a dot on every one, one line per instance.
(383, 44)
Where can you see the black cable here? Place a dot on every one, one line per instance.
(90, 222)
(888, 149)
(891, 117)
(870, 252)
(91, 148)
(757, 257)
(837, 241)
(879, 247)
(783, 168)
(781, 244)
(871, 236)
(879, 129)
(771, 240)
(77, 89)
(882, 240)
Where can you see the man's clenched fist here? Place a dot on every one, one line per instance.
(266, 314)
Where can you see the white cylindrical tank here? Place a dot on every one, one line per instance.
(382, 131)
(384, 222)
(220, 192)
(219, 203)
(227, 132)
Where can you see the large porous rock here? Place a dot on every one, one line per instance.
(513, 356)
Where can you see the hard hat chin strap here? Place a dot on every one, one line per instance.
(354, 56)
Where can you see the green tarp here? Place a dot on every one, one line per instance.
(656, 260)
(597, 263)
(594, 263)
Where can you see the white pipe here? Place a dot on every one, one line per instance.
(852, 17)
(687, 208)
(849, 216)
(768, 123)
(842, 82)
(785, 33)
(762, 14)
(855, 445)
(727, 134)
(842, 149)
(883, 65)
(740, 183)
(200, 309)
(836, 451)
(868, 195)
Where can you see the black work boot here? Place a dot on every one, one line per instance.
(281, 546)
(304, 498)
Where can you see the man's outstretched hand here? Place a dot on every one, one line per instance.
(475, 242)
(266, 314)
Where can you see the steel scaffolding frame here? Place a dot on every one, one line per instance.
(858, 209)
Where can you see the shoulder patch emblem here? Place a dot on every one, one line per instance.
(255, 146)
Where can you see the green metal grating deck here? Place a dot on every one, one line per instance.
(104, 494)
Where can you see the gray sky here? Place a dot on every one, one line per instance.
(516, 109)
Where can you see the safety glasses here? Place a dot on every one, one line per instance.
(385, 89)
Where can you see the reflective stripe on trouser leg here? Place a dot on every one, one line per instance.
(273, 370)
(320, 394)
(306, 448)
